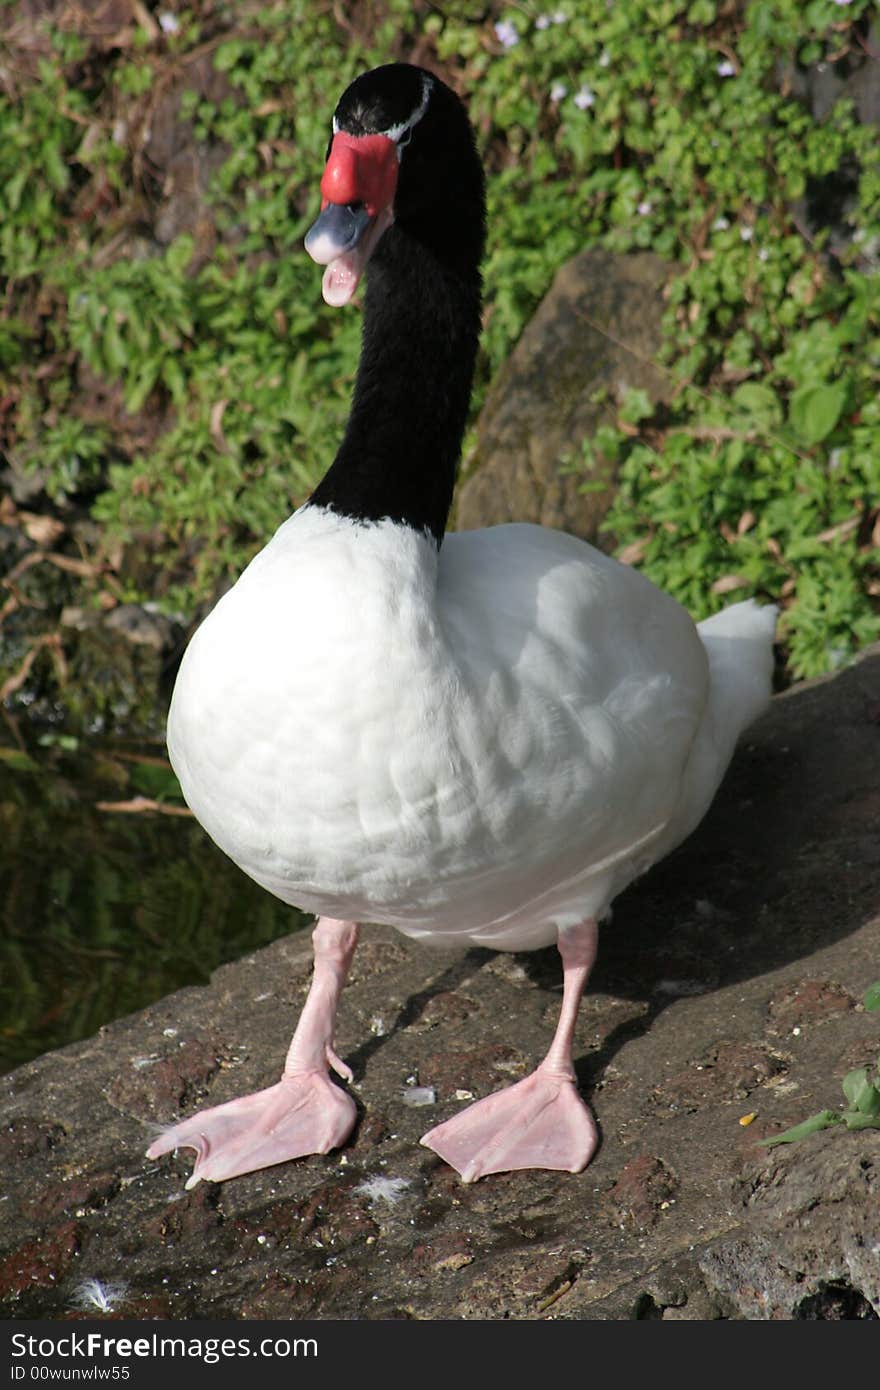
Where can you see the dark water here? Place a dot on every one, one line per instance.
(102, 912)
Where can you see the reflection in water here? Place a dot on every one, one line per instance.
(103, 912)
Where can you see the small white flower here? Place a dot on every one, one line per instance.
(558, 91)
(543, 21)
(746, 233)
(584, 98)
(644, 208)
(763, 254)
(726, 69)
(560, 17)
(506, 33)
(720, 224)
(604, 58)
(169, 23)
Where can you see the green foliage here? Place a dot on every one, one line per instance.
(37, 139)
(741, 493)
(642, 124)
(69, 454)
(220, 344)
(862, 1094)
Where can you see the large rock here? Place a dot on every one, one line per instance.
(596, 332)
(728, 984)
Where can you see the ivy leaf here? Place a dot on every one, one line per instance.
(815, 410)
(824, 1120)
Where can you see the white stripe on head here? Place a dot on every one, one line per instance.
(396, 132)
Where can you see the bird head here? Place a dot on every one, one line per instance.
(401, 152)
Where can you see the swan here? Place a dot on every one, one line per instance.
(478, 738)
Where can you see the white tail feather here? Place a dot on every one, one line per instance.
(739, 645)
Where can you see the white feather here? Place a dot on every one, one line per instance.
(382, 1189)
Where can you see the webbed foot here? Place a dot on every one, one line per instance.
(541, 1122)
(303, 1113)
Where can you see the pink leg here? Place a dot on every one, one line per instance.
(541, 1122)
(304, 1112)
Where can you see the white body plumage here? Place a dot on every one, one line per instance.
(484, 745)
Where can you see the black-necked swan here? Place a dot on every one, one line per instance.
(477, 737)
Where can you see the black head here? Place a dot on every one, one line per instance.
(401, 152)
(385, 101)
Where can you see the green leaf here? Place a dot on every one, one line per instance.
(824, 1120)
(19, 762)
(637, 406)
(172, 375)
(815, 410)
(114, 349)
(854, 1083)
(143, 384)
(179, 255)
(854, 1119)
(759, 402)
(14, 189)
(871, 998)
(861, 1093)
(157, 781)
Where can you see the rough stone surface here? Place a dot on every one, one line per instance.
(543, 403)
(728, 983)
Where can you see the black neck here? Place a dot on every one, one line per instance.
(401, 448)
